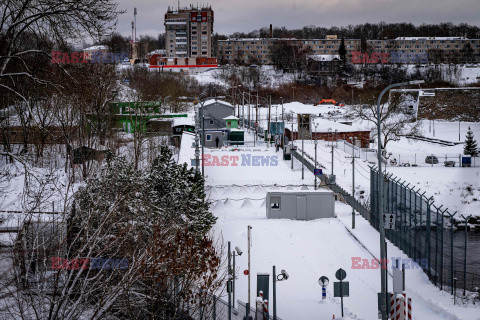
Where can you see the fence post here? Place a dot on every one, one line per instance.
(452, 275)
(428, 242)
(436, 247)
(465, 258)
(441, 249)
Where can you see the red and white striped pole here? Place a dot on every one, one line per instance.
(265, 309)
(400, 306)
(392, 306)
(409, 309)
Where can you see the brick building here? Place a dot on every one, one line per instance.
(188, 32)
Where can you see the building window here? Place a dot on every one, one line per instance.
(209, 137)
(275, 202)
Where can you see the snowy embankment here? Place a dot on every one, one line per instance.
(306, 249)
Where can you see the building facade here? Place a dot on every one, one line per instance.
(436, 49)
(188, 32)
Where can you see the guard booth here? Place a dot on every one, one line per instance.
(300, 204)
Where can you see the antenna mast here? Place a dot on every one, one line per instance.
(135, 19)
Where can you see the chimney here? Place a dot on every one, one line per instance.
(271, 31)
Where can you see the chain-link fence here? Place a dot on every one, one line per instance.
(437, 240)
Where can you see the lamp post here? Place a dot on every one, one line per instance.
(383, 271)
(291, 149)
(282, 276)
(236, 252)
(354, 140)
(315, 166)
(331, 131)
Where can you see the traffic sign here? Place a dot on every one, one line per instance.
(323, 281)
(256, 124)
(317, 172)
(340, 274)
(246, 272)
(341, 289)
(389, 221)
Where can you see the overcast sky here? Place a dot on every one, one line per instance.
(248, 15)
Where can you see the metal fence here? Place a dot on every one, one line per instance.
(215, 308)
(407, 159)
(437, 240)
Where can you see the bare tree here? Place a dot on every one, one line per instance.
(394, 123)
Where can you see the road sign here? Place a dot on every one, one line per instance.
(397, 280)
(323, 281)
(340, 274)
(256, 124)
(389, 221)
(245, 272)
(317, 172)
(341, 289)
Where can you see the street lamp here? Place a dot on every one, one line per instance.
(315, 166)
(282, 276)
(383, 271)
(237, 252)
(354, 141)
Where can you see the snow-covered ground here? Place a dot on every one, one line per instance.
(306, 249)
(268, 76)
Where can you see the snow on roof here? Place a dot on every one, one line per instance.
(183, 121)
(212, 101)
(94, 48)
(187, 152)
(324, 57)
(230, 118)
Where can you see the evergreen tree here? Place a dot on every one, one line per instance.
(470, 144)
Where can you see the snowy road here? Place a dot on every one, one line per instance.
(306, 249)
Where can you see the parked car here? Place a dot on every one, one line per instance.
(431, 160)
(449, 163)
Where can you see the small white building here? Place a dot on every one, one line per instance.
(300, 204)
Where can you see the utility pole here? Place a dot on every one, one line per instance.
(229, 284)
(315, 166)
(283, 124)
(303, 159)
(249, 228)
(332, 156)
(274, 278)
(243, 110)
(269, 114)
(291, 149)
(383, 247)
(353, 182)
(203, 142)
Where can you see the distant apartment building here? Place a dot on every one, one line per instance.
(439, 49)
(189, 32)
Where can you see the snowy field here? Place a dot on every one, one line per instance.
(307, 249)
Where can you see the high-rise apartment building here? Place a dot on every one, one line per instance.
(189, 32)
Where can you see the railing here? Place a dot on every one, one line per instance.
(349, 199)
